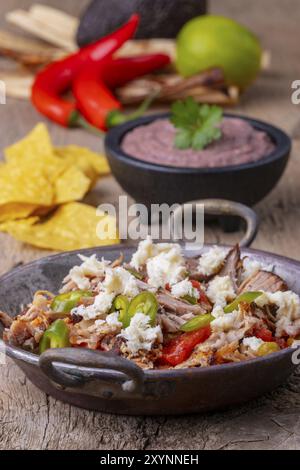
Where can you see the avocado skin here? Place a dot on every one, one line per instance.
(159, 18)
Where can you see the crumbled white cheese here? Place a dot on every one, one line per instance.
(100, 307)
(113, 320)
(211, 260)
(220, 290)
(228, 328)
(96, 325)
(253, 343)
(168, 267)
(295, 343)
(111, 325)
(183, 288)
(119, 281)
(226, 322)
(147, 249)
(90, 267)
(143, 253)
(139, 335)
(288, 312)
(251, 266)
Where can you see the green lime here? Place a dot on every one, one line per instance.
(215, 41)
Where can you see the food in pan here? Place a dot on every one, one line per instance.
(159, 142)
(163, 309)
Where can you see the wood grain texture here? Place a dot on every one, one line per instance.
(31, 420)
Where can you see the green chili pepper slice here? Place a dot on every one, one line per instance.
(200, 321)
(56, 336)
(121, 304)
(146, 303)
(63, 303)
(247, 297)
(135, 273)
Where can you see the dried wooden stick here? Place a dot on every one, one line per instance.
(66, 24)
(266, 60)
(207, 87)
(18, 82)
(211, 78)
(148, 46)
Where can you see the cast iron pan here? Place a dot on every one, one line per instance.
(149, 183)
(102, 381)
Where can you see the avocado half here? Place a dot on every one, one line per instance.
(159, 18)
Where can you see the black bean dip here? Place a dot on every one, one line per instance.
(240, 143)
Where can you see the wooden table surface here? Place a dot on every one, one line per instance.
(31, 420)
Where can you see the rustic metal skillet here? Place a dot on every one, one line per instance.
(100, 381)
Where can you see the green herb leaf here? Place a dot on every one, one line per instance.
(197, 125)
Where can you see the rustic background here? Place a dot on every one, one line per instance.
(31, 420)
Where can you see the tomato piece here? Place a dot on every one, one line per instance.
(265, 334)
(180, 348)
(196, 284)
(282, 343)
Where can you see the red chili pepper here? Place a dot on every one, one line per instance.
(264, 334)
(122, 70)
(96, 102)
(94, 99)
(180, 348)
(55, 79)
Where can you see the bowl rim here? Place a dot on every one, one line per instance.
(116, 134)
(33, 359)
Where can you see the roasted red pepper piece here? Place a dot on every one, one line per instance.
(203, 297)
(264, 334)
(180, 348)
(57, 78)
(282, 342)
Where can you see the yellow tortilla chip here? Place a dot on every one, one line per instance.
(23, 185)
(37, 143)
(72, 226)
(91, 163)
(72, 185)
(36, 150)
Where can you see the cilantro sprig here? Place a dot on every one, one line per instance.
(196, 124)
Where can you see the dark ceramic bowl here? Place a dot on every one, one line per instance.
(150, 183)
(101, 381)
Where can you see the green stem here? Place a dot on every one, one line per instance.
(144, 106)
(116, 117)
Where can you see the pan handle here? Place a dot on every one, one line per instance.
(229, 208)
(133, 376)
